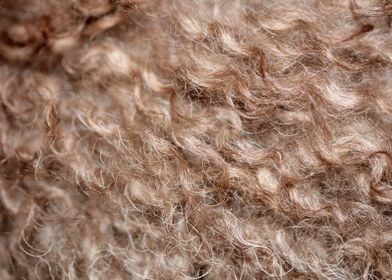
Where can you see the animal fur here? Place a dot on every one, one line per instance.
(225, 139)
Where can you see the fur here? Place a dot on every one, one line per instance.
(225, 139)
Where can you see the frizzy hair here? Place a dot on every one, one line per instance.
(225, 139)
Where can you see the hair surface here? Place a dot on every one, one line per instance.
(225, 139)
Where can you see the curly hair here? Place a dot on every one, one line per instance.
(206, 139)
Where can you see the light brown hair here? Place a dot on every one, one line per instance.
(226, 139)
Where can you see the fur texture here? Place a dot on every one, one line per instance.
(237, 139)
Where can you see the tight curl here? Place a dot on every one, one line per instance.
(167, 139)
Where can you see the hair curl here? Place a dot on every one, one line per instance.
(225, 139)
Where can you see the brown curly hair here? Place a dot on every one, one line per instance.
(206, 139)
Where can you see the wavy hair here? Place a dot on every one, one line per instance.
(224, 139)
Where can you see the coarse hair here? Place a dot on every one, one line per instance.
(196, 139)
